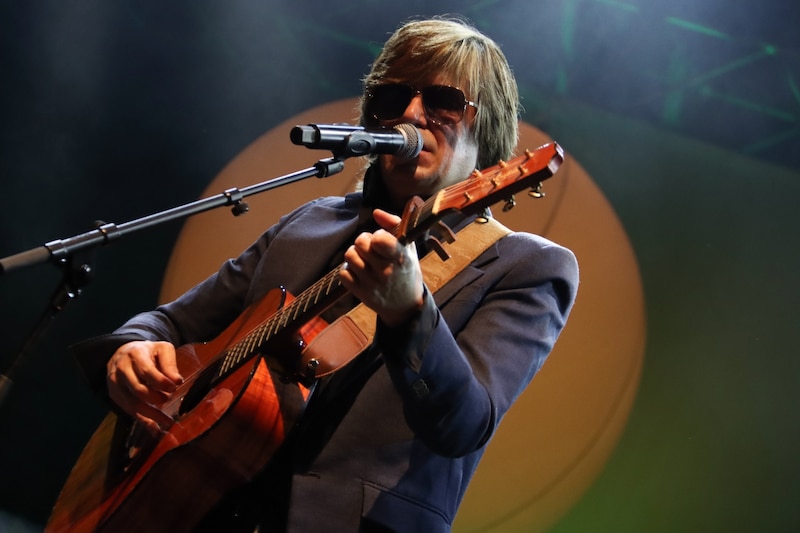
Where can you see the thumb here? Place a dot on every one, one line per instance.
(386, 220)
(167, 361)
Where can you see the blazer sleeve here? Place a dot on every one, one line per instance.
(458, 379)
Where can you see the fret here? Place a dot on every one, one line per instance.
(330, 286)
(226, 362)
(248, 348)
(236, 354)
(306, 301)
(262, 334)
(292, 312)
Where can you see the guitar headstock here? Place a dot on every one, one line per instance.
(483, 188)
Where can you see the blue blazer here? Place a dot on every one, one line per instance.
(403, 453)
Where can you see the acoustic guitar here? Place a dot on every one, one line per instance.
(243, 391)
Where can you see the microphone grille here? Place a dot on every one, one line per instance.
(413, 145)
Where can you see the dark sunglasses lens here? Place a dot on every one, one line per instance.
(445, 104)
(443, 97)
(388, 102)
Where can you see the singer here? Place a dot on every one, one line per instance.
(390, 440)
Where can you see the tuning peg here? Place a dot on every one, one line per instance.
(536, 192)
(510, 203)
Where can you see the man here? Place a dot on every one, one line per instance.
(389, 442)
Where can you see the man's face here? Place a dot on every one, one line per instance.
(449, 153)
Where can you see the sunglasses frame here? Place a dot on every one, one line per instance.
(368, 93)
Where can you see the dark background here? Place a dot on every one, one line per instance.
(686, 114)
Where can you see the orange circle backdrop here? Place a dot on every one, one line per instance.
(557, 437)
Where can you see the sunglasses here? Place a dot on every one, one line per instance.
(443, 104)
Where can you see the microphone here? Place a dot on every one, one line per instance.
(344, 140)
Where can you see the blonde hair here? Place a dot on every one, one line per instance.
(474, 61)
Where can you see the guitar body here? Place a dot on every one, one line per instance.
(130, 479)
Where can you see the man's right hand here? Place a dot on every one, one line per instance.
(141, 375)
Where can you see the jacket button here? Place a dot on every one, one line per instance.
(420, 388)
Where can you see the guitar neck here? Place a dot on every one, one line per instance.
(310, 303)
(285, 321)
(480, 190)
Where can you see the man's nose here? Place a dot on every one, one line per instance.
(415, 111)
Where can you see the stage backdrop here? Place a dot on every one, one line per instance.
(682, 116)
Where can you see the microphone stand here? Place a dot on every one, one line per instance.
(75, 255)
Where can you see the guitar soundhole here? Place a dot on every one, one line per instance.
(209, 378)
(194, 396)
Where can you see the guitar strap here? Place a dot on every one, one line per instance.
(350, 334)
